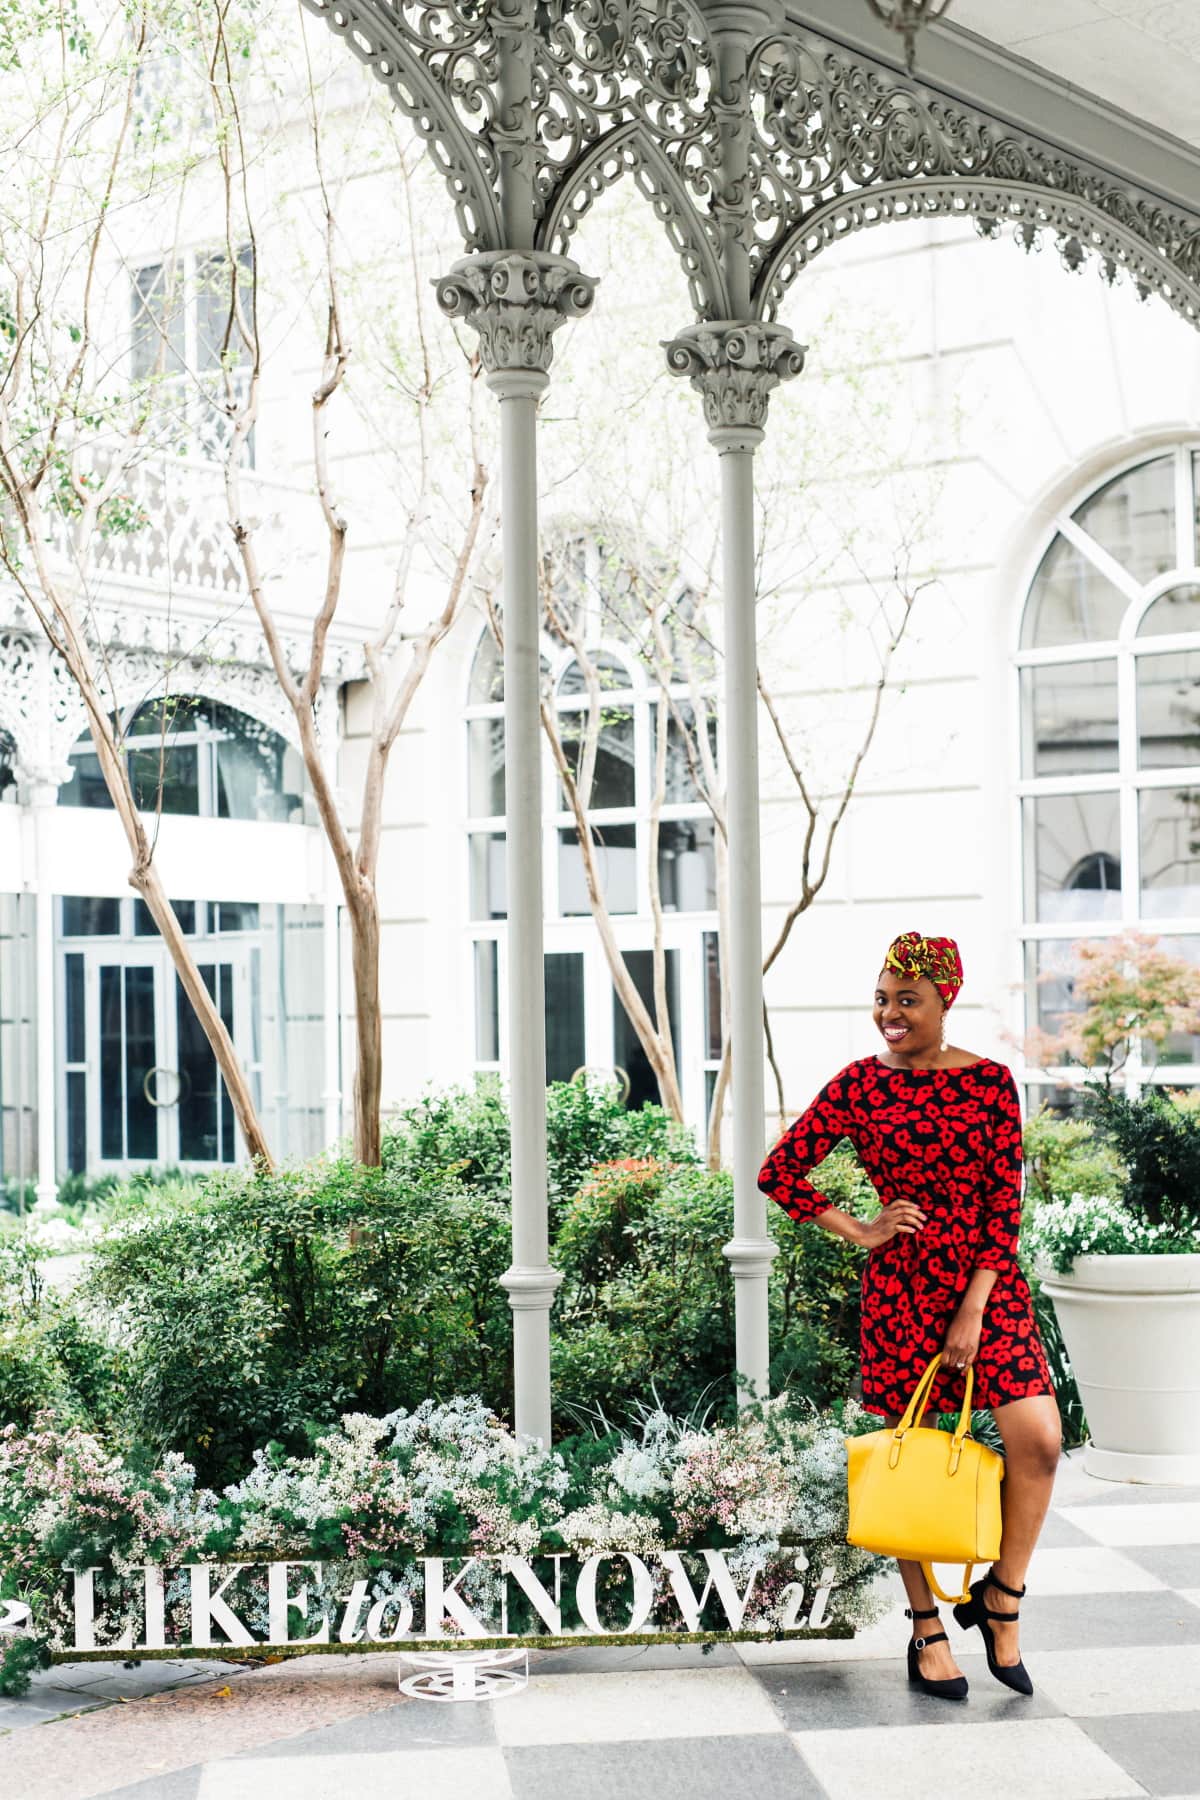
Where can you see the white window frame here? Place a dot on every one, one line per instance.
(1127, 781)
(683, 932)
(202, 419)
(206, 738)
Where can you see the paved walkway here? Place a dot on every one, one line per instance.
(1111, 1637)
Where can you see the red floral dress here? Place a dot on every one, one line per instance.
(950, 1140)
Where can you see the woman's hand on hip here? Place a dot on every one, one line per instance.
(899, 1218)
(962, 1340)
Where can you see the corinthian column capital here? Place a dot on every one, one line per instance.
(516, 300)
(734, 367)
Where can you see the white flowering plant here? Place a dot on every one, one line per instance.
(1096, 1225)
(448, 1480)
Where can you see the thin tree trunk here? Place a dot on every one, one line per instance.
(368, 1028)
(654, 1035)
(649, 1037)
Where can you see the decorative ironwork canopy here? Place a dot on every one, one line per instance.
(745, 131)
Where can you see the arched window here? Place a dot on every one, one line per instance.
(1109, 672)
(202, 759)
(585, 1025)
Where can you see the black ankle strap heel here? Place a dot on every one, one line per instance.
(991, 1579)
(974, 1612)
(953, 1689)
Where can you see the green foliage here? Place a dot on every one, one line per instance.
(463, 1133)
(51, 1357)
(1065, 1157)
(80, 1194)
(815, 1289)
(258, 1307)
(19, 1657)
(1066, 1388)
(245, 1310)
(1158, 1143)
(644, 1305)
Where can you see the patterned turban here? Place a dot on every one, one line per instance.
(937, 957)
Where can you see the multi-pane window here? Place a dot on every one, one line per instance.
(1109, 674)
(586, 1023)
(619, 801)
(194, 756)
(189, 321)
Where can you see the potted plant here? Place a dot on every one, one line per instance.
(1122, 1268)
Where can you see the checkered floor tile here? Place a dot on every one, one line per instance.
(1111, 1635)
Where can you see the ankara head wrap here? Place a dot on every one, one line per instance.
(935, 957)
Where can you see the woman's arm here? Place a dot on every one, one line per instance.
(1001, 1221)
(997, 1254)
(816, 1132)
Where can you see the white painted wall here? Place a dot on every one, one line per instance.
(1007, 384)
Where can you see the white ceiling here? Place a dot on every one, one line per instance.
(1140, 55)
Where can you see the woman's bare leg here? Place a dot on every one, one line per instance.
(1032, 1434)
(937, 1662)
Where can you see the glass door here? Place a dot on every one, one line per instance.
(127, 1125)
(628, 1056)
(203, 1113)
(140, 1082)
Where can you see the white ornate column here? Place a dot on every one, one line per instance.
(734, 363)
(515, 301)
(734, 367)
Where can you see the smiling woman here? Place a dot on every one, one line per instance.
(938, 1131)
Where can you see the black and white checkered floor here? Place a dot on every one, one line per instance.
(1111, 1635)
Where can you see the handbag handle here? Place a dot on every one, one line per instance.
(963, 1597)
(914, 1412)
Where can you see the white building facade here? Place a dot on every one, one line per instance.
(1035, 776)
(1034, 779)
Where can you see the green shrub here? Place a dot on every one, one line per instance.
(1158, 1143)
(464, 1133)
(242, 1310)
(78, 1194)
(816, 1285)
(1064, 1157)
(259, 1307)
(51, 1358)
(644, 1306)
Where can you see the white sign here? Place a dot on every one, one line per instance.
(274, 1604)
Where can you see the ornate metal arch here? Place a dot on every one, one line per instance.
(440, 65)
(764, 156)
(843, 144)
(1079, 228)
(628, 150)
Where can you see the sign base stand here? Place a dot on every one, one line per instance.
(456, 1675)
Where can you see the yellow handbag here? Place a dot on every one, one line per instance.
(924, 1495)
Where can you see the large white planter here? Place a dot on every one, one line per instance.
(1131, 1325)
